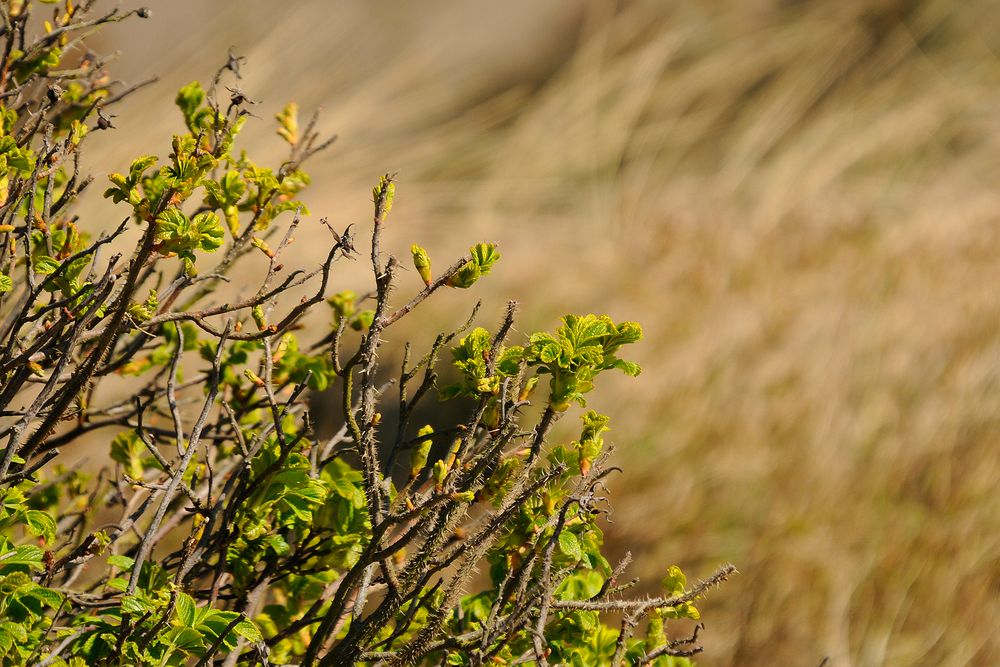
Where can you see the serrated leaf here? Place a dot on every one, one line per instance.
(25, 554)
(176, 233)
(348, 491)
(16, 630)
(41, 525)
(132, 604)
(46, 596)
(466, 276)
(301, 507)
(186, 638)
(278, 544)
(186, 609)
(628, 367)
(118, 584)
(569, 545)
(189, 98)
(485, 255)
(248, 630)
(139, 165)
(45, 265)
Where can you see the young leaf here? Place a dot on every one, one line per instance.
(25, 554)
(248, 630)
(288, 122)
(185, 608)
(422, 262)
(45, 265)
(121, 562)
(41, 525)
(569, 545)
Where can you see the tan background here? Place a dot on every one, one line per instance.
(798, 200)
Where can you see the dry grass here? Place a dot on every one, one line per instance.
(798, 200)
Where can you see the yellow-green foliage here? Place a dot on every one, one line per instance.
(225, 523)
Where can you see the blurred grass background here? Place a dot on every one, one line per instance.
(798, 201)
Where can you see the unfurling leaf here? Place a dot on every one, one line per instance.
(288, 123)
(484, 256)
(382, 195)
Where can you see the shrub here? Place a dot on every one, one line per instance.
(224, 528)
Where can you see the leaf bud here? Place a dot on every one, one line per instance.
(253, 377)
(420, 451)
(422, 262)
(258, 317)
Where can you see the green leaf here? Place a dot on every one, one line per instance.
(25, 554)
(118, 584)
(178, 234)
(629, 368)
(418, 455)
(189, 98)
(128, 450)
(226, 192)
(570, 545)
(140, 165)
(47, 596)
(16, 630)
(627, 332)
(248, 630)
(580, 585)
(171, 224)
(510, 360)
(22, 161)
(278, 544)
(45, 265)
(363, 320)
(186, 638)
(41, 525)
(233, 186)
(208, 230)
(300, 506)
(466, 276)
(186, 609)
(675, 582)
(485, 255)
(132, 604)
(594, 424)
(6, 283)
(216, 623)
(348, 491)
